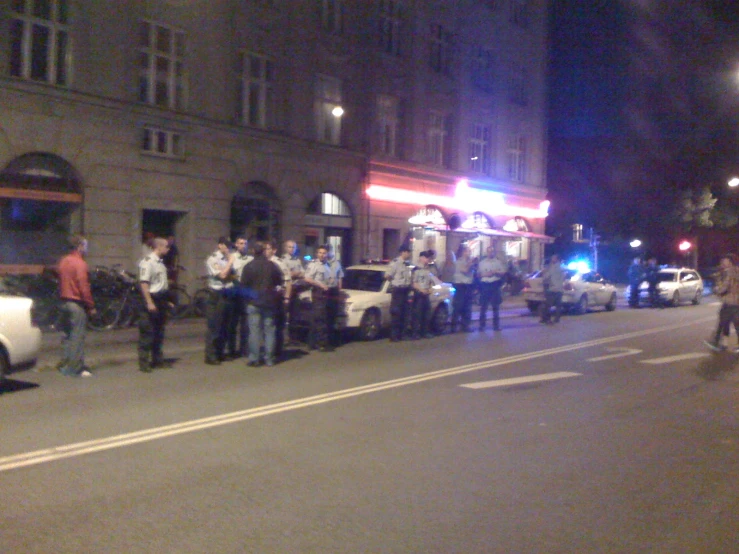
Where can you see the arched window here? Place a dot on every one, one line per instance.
(329, 204)
(255, 212)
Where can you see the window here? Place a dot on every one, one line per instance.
(520, 13)
(390, 26)
(331, 16)
(161, 142)
(387, 125)
(479, 148)
(517, 158)
(256, 90)
(329, 204)
(438, 139)
(162, 79)
(482, 68)
(328, 109)
(441, 50)
(518, 85)
(577, 232)
(39, 40)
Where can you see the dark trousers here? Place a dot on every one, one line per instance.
(727, 315)
(654, 299)
(634, 293)
(398, 311)
(238, 327)
(151, 331)
(421, 308)
(333, 305)
(280, 320)
(462, 306)
(319, 319)
(551, 299)
(217, 312)
(490, 296)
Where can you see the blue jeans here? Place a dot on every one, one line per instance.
(74, 326)
(261, 331)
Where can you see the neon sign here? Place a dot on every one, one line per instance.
(465, 198)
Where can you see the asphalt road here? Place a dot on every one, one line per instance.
(610, 432)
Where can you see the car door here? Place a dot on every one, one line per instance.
(592, 288)
(688, 284)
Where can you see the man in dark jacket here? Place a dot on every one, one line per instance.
(636, 277)
(262, 282)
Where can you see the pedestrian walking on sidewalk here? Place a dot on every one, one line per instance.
(263, 280)
(553, 278)
(491, 272)
(77, 304)
(153, 318)
(726, 288)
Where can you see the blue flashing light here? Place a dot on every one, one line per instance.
(579, 266)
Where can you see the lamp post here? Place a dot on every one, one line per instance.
(733, 182)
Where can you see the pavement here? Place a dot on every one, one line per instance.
(116, 347)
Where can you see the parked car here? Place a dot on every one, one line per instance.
(582, 290)
(20, 337)
(675, 285)
(365, 302)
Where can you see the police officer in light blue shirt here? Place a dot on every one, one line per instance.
(318, 276)
(221, 277)
(423, 281)
(154, 289)
(399, 275)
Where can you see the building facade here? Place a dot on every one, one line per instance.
(358, 123)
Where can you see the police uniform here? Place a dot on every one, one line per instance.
(293, 264)
(463, 283)
(320, 272)
(490, 271)
(334, 299)
(219, 307)
(237, 324)
(151, 324)
(399, 274)
(280, 318)
(423, 279)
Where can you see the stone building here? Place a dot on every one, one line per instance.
(359, 123)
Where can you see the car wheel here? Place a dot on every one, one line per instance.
(582, 304)
(698, 297)
(369, 327)
(676, 299)
(440, 319)
(533, 307)
(611, 303)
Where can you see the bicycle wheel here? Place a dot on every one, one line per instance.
(199, 302)
(181, 300)
(108, 312)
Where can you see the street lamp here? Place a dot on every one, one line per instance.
(684, 246)
(734, 182)
(636, 243)
(338, 111)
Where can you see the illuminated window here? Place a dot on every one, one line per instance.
(328, 100)
(482, 68)
(161, 142)
(517, 158)
(256, 82)
(520, 13)
(387, 125)
(329, 204)
(479, 148)
(577, 232)
(437, 139)
(390, 26)
(518, 85)
(39, 40)
(162, 80)
(441, 44)
(331, 16)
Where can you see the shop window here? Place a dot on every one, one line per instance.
(329, 204)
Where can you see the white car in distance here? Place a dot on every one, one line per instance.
(20, 338)
(582, 290)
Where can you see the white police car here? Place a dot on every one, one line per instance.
(20, 338)
(583, 289)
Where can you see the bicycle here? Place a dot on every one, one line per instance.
(121, 302)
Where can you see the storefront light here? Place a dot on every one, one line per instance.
(465, 199)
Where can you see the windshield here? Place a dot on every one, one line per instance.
(364, 279)
(666, 277)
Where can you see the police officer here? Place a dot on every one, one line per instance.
(318, 276)
(270, 252)
(491, 272)
(221, 276)
(238, 327)
(154, 289)
(422, 281)
(463, 279)
(399, 275)
(297, 274)
(636, 277)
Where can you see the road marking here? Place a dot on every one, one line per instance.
(521, 380)
(117, 441)
(621, 352)
(678, 358)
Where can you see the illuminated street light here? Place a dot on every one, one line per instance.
(684, 246)
(734, 182)
(636, 243)
(338, 111)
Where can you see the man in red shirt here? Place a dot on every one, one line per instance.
(77, 303)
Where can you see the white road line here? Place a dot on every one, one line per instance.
(678, 358)
(117, 441)
(521, 380)
(621, 352)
